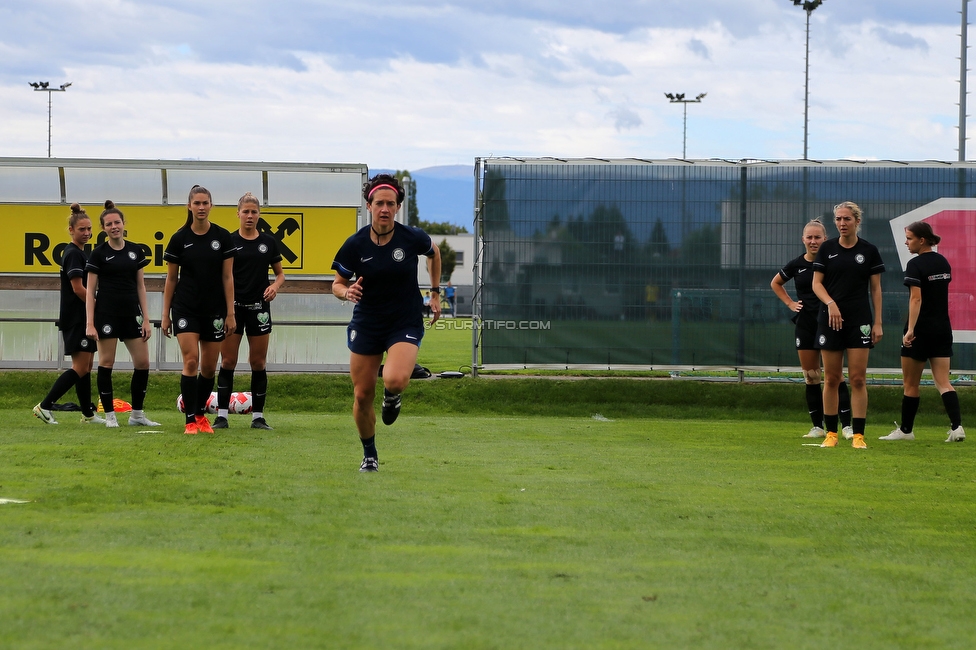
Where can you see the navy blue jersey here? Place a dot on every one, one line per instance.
(200, 289)
(389, 273)
(801, 272)
(118, 270)
(72, 307)
(254, 258)
(932, 274)
(847, 277)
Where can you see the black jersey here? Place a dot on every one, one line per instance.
(72, 266)
(254, 258)
(801, 272)
(932, 274)
(200, 289)
(389, 273)
(118, 272)
(847, 277)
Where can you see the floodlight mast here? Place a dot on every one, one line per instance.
(679, 98)
(808, 6)
(44, 87)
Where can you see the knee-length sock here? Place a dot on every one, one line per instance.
(105, 394)
(62, 384)
(139, 385)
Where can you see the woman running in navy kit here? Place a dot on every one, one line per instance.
(115, 310)
(71, 322)
(928, 332)
(256, 253)
(199, 291)
(388, 316)
(847, 279)
(806, 307)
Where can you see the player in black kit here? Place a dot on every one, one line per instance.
(253, 293)
(199, 291)
(928, 332)
(388, 316)
(116, 309)
(71, 322)
(847, 279)
(807, 306)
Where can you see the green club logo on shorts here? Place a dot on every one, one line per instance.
(264, 317)
(139, 320)
(218, 324)
(865, 330)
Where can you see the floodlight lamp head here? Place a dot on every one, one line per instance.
(700, 97)
(45, 84)
(65, 86)
(34, 84)
(669, 96)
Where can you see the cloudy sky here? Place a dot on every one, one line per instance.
(418, 83)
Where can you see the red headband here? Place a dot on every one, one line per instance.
(380, 187)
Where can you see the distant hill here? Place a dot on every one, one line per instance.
(444, 193)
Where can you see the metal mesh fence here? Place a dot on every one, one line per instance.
(657, 264)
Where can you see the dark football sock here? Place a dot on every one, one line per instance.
(844, 403)
(259, 389)
(815, 404)
(188, 387)
(951, 402)
(83, 391)
(105, 394)
(62, 384)
(225, 386)
(369, 447)
(140, 382)
(204, 389)
(909, 407)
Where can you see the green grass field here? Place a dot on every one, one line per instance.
(504, 515)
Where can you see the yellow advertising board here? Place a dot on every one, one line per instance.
(36, 235)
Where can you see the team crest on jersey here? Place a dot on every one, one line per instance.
(215, 245)
(106, 329)
(132, 255)
(218, 324)
(181, 323)
(352, 335)
(859, 258)
(398, 255)
(263, 248)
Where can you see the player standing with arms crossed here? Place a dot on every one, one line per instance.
(807, 306)
(847, 279)
(928, 332)
(115, 309)
(388, 312)
(199, 290)
(71, 322)
(253, 293)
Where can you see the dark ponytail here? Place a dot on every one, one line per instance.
(109, 209)
(923, 230)
(196, 189)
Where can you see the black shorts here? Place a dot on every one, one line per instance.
(929, 345)
(253, 319)
(366, 341)
(110, 326)
(805, 332)
(847, 338)
(76, 341)
(210, 329)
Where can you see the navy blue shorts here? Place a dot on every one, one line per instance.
(369, 342)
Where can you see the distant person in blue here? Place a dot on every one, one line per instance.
(388, 313)
(449, 293)
(928, 332)
(847, 280)
(257, 252)
(116, 310)
(806, 307)
(71, 322)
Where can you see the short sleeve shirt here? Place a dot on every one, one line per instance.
(389, 272)
(801, 272)
(254, 258)
(72, 266)
(200, 289)
(118, 271)
(932, 274)
(847, 277)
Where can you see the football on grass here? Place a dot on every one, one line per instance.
(240, 403)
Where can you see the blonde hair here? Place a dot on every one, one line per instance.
(816, 222)
(248, 198)
(855, 210)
